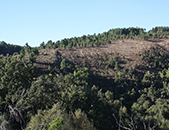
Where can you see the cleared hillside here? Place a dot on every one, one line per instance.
(128, 51)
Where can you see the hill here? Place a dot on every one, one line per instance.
(129, 51)
(89, 82)
(9, 48)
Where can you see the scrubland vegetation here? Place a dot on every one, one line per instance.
(115, 80)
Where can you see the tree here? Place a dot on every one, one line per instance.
(57, 118)
(63, 64)
(42, 45)
(16, 77)
(32, 57)
(27, 48)
(42, 94)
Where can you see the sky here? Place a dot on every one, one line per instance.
(37, 21)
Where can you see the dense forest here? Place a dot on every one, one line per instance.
(47, 88)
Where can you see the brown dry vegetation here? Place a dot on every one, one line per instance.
(129, 51)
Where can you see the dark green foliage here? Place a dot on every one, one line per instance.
(111, 62)
(56, 124)
(9, 48)
(152, 103)
(94, 40)
(70, 95)
(43, 119)
(116, 66)
(159, 29)
(48, 45)
(42, 94)
(105, 37)
(22, 54)
(42, 45)
(34, 53)
(16, 77)
(146, 37)
(156, 59)
(63, 64)
(27, 48)
(58, 118)
(32, 57)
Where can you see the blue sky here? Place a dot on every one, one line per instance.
(35, 21)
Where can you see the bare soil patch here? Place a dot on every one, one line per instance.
(130, 50)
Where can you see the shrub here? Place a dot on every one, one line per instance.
(58, 118)
(56, 124)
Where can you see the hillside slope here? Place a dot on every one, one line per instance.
(121, 75)
(127, 50)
